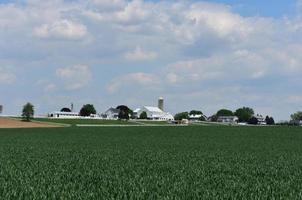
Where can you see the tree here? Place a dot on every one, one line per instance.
(297, 116)
(202, 118)
(269, 120)
(124, 112)
(225, 112)
(214, 118)
(87, 110)
(253, 120)
(244, 114)
(143, 115)
(181, 116)
(195, 112)
(65, 110)
(27, 112)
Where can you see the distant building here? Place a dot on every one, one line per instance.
(153, 113)
(71, 115)
(64, 115)
(111, 113)
(228, 119)
(261, 119)
(197, 117)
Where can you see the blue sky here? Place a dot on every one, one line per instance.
(204, 55)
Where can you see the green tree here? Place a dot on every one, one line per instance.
(253, 120)
(181, 116)
(28, 112)
(65, 110)
(143, 115)
(224, 112)
(87, 110)
(269, 120)
(195, 112)
(244, 114)
(296, 116)
(124, 112)
(214, 118)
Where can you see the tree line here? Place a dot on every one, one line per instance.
(244, 114)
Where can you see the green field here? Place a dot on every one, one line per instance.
(74, 122)
(85, 121)
(195, 162)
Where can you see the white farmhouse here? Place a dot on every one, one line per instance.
(261, 119)
(154, 113)
(112, 114)
(197, 117)
(228, 119)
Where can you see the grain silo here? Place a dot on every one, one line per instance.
(1, 109)
(161, 103)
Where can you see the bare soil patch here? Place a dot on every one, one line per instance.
(15, 123)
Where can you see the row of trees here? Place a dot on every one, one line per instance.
(244, 114)
(186, 115)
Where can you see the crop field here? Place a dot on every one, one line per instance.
(85, 121)
(194, 162)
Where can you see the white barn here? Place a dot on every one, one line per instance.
(71, 115)
(154, 113)
(64, 115)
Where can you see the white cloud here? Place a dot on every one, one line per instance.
(195, 46)
(133, 79)
(140, 55)
(75, 77)
(61, 29)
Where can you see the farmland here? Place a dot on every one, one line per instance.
(205, 162)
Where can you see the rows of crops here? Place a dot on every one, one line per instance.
(154, 162)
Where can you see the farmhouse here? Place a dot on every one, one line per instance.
(153, 113)
(197, 117)
(260, 118)
(228, 119)
(111, 113)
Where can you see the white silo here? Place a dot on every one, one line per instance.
(161, 103)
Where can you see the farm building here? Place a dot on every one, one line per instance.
(228, 119)
(154, 113)
(197, 117)
(71, 115)
(261, 119)
(64, 115)
(111, 113)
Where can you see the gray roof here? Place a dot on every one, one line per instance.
(113, 110)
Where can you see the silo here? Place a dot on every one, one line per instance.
(1, 109)
(161, 103)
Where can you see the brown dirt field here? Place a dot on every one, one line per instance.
(14, 123)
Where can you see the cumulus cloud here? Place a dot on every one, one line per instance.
(198, 49)
(61, 29)
(133, 79)
(140, 55)
(74, 77)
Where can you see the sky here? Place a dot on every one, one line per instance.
(203, 55)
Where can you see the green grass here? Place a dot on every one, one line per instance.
(150, 122)
(195, 162)
(85, 121)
